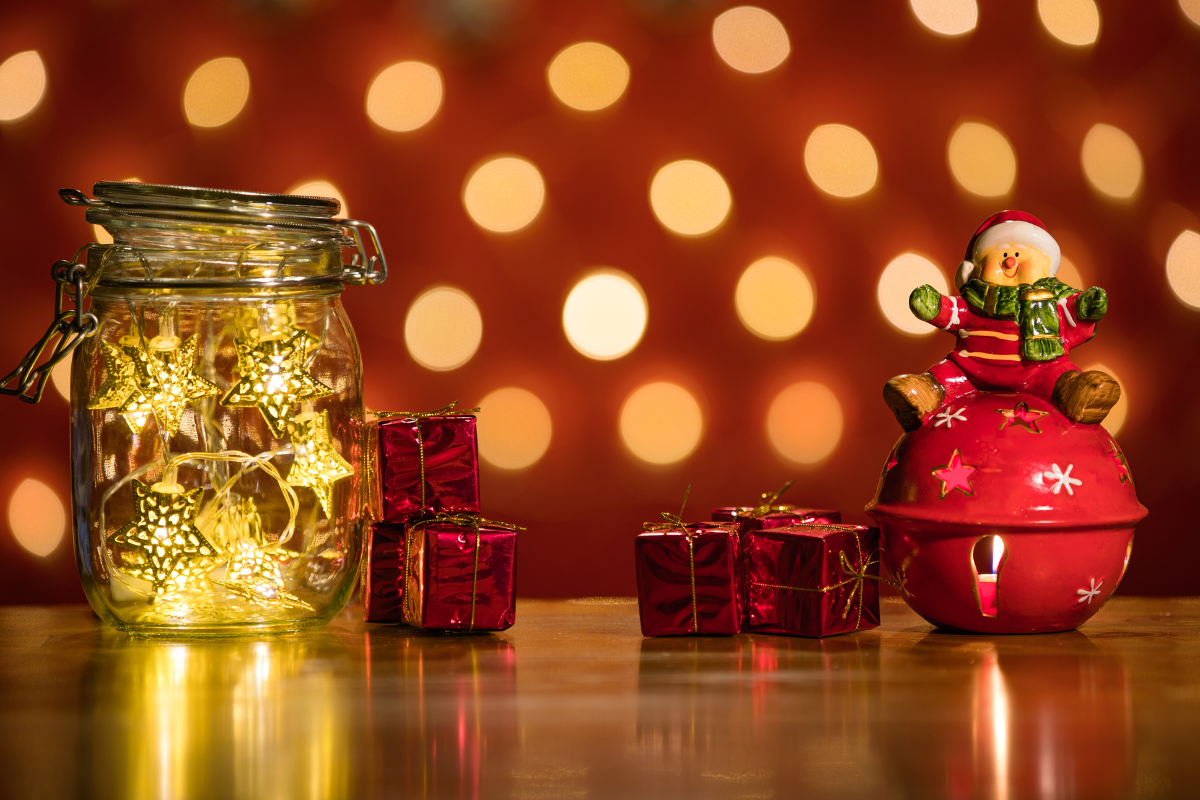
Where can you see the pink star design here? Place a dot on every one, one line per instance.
(1020, 415)
(892, 460)
(1122, 465)
(955, 475)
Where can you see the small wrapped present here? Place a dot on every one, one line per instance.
(460, 573)
(812, 580)
(688, 577)
(427, 462)
(775, 514)
(383, 573)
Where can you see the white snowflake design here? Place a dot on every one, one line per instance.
(1086, 595)
(1062, 479)
(948, 417)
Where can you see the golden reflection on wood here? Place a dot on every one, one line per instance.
(573, 702)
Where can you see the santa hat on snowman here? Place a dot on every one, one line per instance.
(1007, 227)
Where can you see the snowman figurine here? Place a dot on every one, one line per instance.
(1015, 325)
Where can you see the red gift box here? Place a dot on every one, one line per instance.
(812, 580)
(688, 578)
(427, 463)
(383, 576)
(460, 573)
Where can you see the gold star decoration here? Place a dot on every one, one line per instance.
(317, 466)
(254, 574)
(158, 382)
(120, 389)
(161, 544)
(273, 379)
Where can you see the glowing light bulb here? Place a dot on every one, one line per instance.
(588, 76)
(605, 315)
(904, 273)
(750, 39)
(841, 161)
(22, 85)
(216, 92)
(405, 96)
(690, 198)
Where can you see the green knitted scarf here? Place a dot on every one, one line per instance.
(1032, 307)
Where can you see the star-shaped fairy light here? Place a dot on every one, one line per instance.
(161, 544)
(158, 381)
(254, 574)
(253, 570)
(274, 379)
(317, 464)
(955, 475)
(1020, 416)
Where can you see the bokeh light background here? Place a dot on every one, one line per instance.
(661, 242)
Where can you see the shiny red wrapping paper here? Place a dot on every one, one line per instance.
(451, 466)
(383, 578)
(682, 591)
(747, 517)
(459, 577)
(812, 580)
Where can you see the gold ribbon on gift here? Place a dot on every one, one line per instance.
(412, 614)
(767, 506)
(856, 573)
(673, 522)
(418, 416)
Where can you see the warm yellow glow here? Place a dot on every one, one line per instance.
(60, 376)
(443, 328)
(804, 423)
(690, 198)
(588, 76)
(750, 39)
(774, 298)
(405, 96)
(1112, 161)
(514, 428)
(904, 273)
(1183, 268)
(997, 553)
(946, 17)
(605, 315)
(216, 92)
(982, 160)
(1074, 22)
(1116, 416)
(661, 423)
(1191, 8)
(840, 161)
(37, 517)
(504, 194)
(321, 188)
(22, 85)
(100, 235)
(1069, 274)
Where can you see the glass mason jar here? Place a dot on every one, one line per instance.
(216, 409)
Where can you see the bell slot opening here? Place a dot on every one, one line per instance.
(988, 558)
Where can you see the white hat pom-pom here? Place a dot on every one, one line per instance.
(966, 271)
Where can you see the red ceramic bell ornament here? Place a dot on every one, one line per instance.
(1006, 507)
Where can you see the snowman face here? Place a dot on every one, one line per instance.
(1012, 264)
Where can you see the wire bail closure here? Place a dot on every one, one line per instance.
(71, 325)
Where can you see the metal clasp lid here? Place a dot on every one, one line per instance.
(70, 325)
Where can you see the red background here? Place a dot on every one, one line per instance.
(116, 71)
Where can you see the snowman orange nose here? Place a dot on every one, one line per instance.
(1010, 263)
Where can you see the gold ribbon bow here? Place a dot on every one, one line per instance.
(418, 416)
(857, 573)
(768, 504)
(474, 521)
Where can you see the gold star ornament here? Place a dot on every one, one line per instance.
(273, 379)
(317, 466)
(161, 544)
(157, 382)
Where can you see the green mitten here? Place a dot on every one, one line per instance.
(1093, 304)
(925, 302)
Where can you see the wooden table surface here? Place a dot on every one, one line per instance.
(572, 702)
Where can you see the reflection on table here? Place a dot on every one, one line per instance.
(573, 702)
